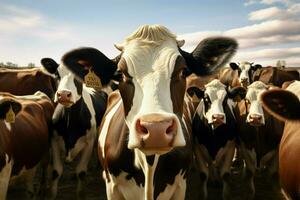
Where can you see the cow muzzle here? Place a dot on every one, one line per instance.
(64, 98)
(218, 120)
(255, 120)
(156, 133)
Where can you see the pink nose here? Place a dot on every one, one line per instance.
(255, 119)
(64, 96)
(218, 119)
(156, 132)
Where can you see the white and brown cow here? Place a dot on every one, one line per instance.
(24, 136)
(76, 120)
(285, 106)
(145, 141)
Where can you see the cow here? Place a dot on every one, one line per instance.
(259, 135)
(76, 120)
(215, 131)
(26, 81)
(285, 106)
(145, 138)
(25, 124)
(240, 74)
(275, 76)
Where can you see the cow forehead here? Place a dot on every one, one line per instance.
(255, 90)
(145, 59)
(215, 90)
(63, 71)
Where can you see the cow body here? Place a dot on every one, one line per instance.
(275, 76)
(24, 142)
(285, 105)
(75, 122)
(151, 134)
(26, 81)
(128, 181)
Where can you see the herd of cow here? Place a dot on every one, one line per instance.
(154, 113)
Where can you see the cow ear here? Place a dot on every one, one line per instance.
(237, 93)
(50, 65)
(9, 106)
(210, 55)
(234, 66)
(83, 60)
(282, 104)
(256, 67)
(195, 93)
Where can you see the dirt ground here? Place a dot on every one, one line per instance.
(96, 187)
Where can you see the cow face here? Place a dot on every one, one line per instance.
(246, 71)
(214, 97)
(152, 85)
(69, 89)
(255, 115)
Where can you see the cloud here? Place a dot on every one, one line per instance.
(277, 26)
(276, 13)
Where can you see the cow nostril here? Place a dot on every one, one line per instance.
(171, 128)
(140, 128)
(58, 94)
(69, 95)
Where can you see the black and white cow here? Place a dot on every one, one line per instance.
(145, 141)
(260, 135)
(76, 119)
(245, 71)
(215, 131)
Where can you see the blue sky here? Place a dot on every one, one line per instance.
(267, 30)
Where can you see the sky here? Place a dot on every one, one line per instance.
(267, 30)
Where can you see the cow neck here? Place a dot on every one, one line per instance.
(74, 123)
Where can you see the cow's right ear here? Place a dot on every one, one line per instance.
(195, 93)
(282, 104)
(50, 65)
(234, 66)
(82, 60)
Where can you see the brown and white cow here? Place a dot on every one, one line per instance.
(260, 134)
(20, 81)
(285, 106)
(24, 136)
(145, 141)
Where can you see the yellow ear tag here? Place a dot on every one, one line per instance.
(10, 116)
(195, 99)
(92, 80)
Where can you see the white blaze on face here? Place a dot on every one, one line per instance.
(216, 91)
(253, 95)
(151, 67)
(67, 83)
(245, 67)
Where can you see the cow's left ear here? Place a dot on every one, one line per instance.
(237, 93)
(9, 108)
(50, 65)
(83, 60)
(195, 93)
(256, 67)
(210, 55)
(282, 104)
